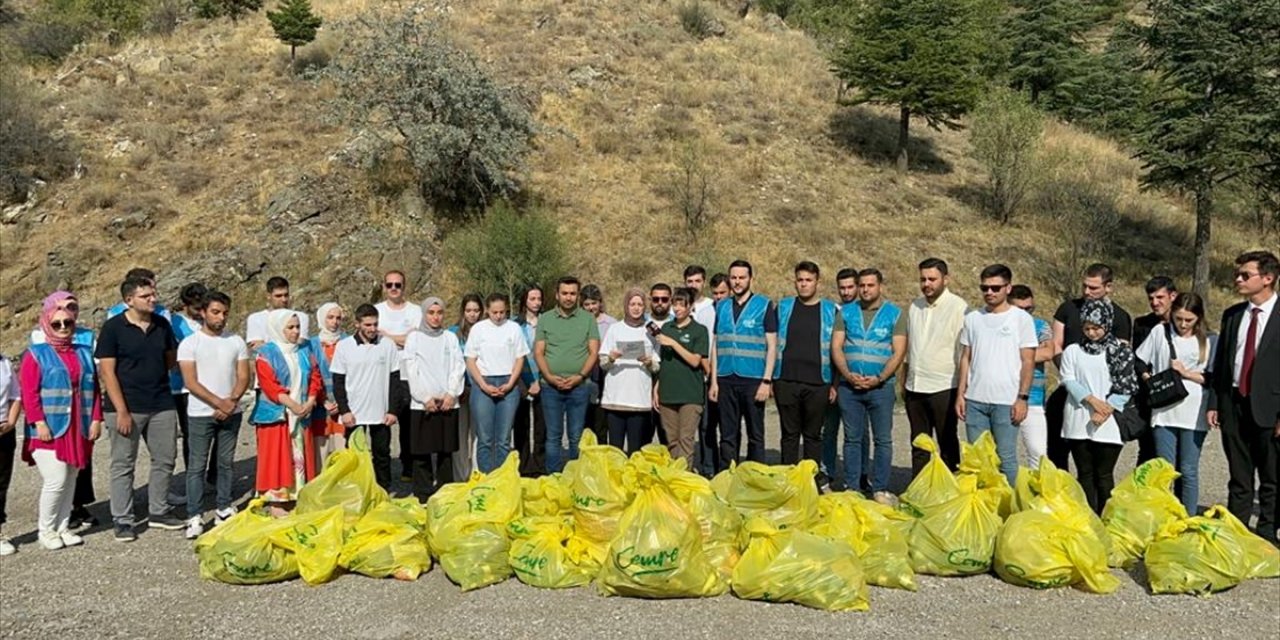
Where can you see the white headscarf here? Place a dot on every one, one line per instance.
(327, 336)
(276, 322)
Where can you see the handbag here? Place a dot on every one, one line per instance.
(1166, 388)
(1130, 421)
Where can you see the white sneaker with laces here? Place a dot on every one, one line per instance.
(195, 527)
(70, 539)
(51, 540)
(222, 515)
(6, 547)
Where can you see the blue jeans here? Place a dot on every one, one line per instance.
(566, 412)
(998, 419)
(202, 432)
(857, 407)
(1181, 447)
(493, 418)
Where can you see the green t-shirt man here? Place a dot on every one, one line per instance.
(679, 383)
(566, 337)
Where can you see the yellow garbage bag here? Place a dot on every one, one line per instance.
(467, 524)
(546, 496)
(1139, 506)
(800, 567)
(599, 490)
(719, 523)
(347, 480)
(657, 552)
(389, 541)
(875, 533)
(1038, 550)
(957, 537)
(931, 487)
(1056, 492)
(785, 495)
(255, 548)
(981, 460)
(1208, 553)
(544, 553)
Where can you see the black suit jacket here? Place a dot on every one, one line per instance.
(1264, 392)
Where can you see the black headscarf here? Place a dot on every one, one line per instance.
(1124, 380)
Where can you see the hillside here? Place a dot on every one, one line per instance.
(205, 158)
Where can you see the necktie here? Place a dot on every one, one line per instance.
(1250, 340)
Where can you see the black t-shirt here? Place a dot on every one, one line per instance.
(140, 362)
(1143, 326)
(1069, 315)
(802, 361)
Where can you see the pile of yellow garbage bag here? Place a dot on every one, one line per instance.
(645, 526)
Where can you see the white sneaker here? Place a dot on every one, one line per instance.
(6, 547)
(887, 499)
(70, 539)
(51, 541)
(222, 515)
(195, 527)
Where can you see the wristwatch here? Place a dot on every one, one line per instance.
(1024, 397)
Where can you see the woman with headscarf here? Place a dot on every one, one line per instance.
(291, 389)
(432, 365)
(464, 458)
(1099, 376)
(627, 358)
(327, 430)
(63, 402)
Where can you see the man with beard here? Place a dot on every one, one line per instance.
(744, 352)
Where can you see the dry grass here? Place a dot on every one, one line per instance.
(224, 125)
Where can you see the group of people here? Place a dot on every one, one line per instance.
(690, 369)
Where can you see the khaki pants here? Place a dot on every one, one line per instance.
(681, 422)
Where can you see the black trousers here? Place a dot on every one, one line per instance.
(629, 430)
(709, 441)
(738, 404)
(533, 451)
(430, 472)
(1095, 468)
(1253, 452)
(1146, 441)
(802, 410)
(1057, 449)
(651, 429)
(8, 444)
(933, 414)
(403, 417)
(379, 449)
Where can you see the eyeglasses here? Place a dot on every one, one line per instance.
(991, 288)
(660, 299)
(1245, 275)
(393, 285)
(59, 325)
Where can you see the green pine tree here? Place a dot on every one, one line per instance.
(1046, 39)
(294, 24)
(1214, 116)
(230, 8)
(927, 57)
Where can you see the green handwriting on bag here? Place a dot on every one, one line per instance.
(477, 502)
(587, 501)
(960, 558)
(529, 565)
(250, 572)
(661, 562)
(1021, 573)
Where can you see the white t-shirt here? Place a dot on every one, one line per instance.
(628, 384)
(1090, 371)
(255, 327)
(433, 367)
(995, 341)
(216, 358)
(1189, 413)
(9, 390)
(496, 347)
(368, 369)
(400, 321)
(704, 313)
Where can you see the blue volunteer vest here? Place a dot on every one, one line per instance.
(57, 393)
(1038, 378)
(83, 337)
(266, 411)
(785, 307)
(867, 349)
(740, 345)
(180, 333)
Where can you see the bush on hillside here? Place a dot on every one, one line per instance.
(507, 249)
(1006, 133)
(401, 78)
(230, 8)
(29, 150)
(695, 18)
(1084, 205)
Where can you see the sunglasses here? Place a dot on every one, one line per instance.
(59, 325)
(660, 299)
(991, 288)
(71, 306)
(393, 285)
(1244, 275)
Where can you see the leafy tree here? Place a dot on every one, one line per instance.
(1111, 91)
(400, 78)
(507, 249)
(1006, 133)
(926, 57)
(1213, 118)
(231, 8)
(1046, 44)
(294, 24)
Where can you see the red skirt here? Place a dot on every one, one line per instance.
(276, 469)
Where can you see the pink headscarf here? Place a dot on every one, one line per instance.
(50, 307)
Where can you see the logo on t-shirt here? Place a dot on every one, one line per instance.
(880, 332)
(749, 324)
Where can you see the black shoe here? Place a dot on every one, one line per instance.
(80, 519)
(124, 533)
(168, 522)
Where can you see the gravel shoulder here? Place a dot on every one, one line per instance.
(152, 589)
